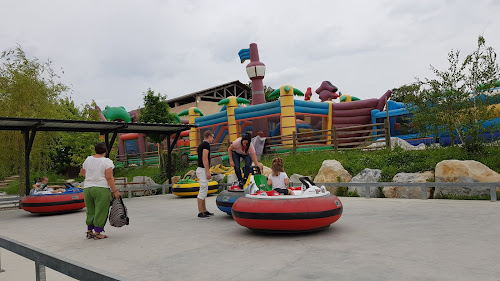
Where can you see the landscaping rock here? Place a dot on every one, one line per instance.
(141, 181)
(266, 171)
(409, 192)
(295, 178)
(332, 171)
(464, 171)
(232, 178)
(395, 142)
(219, 178)
(191, 173)
(367, 175)
(175, 179)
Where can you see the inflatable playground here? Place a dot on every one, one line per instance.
(400, 123)
(292, 113)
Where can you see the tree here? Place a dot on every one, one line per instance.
(458, 101)
(156, 110)
(72, 148)
(267, 92)
(29, 88)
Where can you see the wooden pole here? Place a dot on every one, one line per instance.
(335, 138)
(387, 128)
(294, 134)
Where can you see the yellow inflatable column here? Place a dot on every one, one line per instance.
(231, 119)
(329, 122)
(193, 134)
(287, 118)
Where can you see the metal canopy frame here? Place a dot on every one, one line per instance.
(30, 126)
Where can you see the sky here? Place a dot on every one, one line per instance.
(113, 51)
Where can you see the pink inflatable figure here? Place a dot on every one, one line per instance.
(327, 91)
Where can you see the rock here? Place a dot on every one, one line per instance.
(232, 178)
(367, 175)
(295, 178)
(409, 192)
(216, 161)
(332, 171)
(70, 181)
(191, 173)
(175, 179)
(141, 181)
(464, 171)
(219, 178)
(266, 171)
(395, 142)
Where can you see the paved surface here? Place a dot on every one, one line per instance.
(375, 239)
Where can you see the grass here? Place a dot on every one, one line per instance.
(309, 163)
(389, 162)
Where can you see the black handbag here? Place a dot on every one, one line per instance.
(118, 213)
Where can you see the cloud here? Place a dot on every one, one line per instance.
(112, 51)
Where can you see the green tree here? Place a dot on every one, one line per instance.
(72, 148)
(30, 88)
(156, 110)
(267, 92)
(457, 101)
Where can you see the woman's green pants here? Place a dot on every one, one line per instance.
(97, 202)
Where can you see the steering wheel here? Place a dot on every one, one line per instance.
(255, 170)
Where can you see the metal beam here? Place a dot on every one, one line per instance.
(28, 144)
(63, 265)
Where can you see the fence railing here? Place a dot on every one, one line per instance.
(345, 138)
(422, 185)
(63, 265)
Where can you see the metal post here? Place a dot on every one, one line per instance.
(493, 194)
(1, 270)
(28, 144)
(367, 192)
(163, 190)
(169, 160)
(40, 272)
(424, 192)
(335, 138)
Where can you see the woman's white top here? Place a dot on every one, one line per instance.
(279, 180)
(94, 171)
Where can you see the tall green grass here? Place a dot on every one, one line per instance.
(390, 162)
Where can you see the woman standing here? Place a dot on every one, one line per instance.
(98, 173)
(242, 148)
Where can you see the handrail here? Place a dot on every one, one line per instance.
(63, 265)
(422, 185)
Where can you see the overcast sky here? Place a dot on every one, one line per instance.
(113, 51)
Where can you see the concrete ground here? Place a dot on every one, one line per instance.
(375, 239)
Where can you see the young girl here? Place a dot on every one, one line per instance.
(278, 178)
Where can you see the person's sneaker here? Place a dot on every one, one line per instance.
(208, 213)
(203, 215)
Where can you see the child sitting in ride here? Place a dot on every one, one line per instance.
(42, 187)
(278, 178)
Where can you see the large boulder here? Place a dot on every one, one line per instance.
(141, 181)
(409, 192)
(394, 141)
(295, 178)
(219, 178)
(332, 171)
(366, 175)
(191, 173)
(464, 171)
(232, 178)
(266, 171)
(175, 179)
